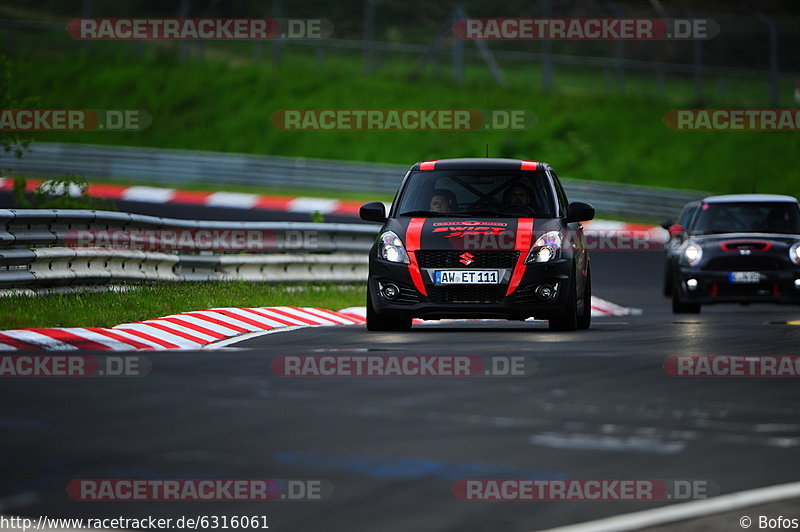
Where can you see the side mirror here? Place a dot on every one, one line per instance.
(580, 212)
(373, 211)
(666, 224)
(675, 230)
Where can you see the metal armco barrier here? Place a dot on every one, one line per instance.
(177, 167)
(296, 251)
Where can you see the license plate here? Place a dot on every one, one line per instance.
(466, 277)
(745, 277)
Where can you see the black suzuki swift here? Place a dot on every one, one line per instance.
(479, 238)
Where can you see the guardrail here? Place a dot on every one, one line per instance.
(37, 248)
(180, 167)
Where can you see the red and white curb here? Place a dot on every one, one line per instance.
(202, 328)
(239, 200)
(188, 330)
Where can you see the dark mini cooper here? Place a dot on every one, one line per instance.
(479, 238)
(742, 248)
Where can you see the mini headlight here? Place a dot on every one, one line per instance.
(391, 248)
(545, 248)
(794, 253)
(693, 254)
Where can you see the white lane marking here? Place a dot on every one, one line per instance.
(606, 442)
(738, 502)
(236, 200)
(250, 335)
(148, 194)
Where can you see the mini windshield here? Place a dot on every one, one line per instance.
(478, 193)
(747, 217)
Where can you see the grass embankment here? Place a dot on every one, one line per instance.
(583, 130)
(106, 309)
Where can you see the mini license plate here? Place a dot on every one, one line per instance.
(745, 277)
(466, 277)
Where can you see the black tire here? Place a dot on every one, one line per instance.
(681, 307)
(585, 319)
(667, 286)
(379, 322)
(568, 320)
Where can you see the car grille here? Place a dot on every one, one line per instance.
(748, 263)
(467, 293)
(481, 259)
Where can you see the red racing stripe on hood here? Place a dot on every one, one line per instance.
(413, 236)
(523, 245)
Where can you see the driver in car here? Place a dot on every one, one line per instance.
(442, 201)
(517, 194)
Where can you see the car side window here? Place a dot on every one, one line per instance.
(563, 204)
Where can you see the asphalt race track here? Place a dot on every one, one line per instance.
(598, 405)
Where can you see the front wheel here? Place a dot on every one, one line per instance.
(585, 319)
(381, 322)
(568, 320)
(681, 307)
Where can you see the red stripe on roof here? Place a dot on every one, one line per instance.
(427, 165)
(528, 165)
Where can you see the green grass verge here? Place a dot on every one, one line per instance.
(106, 309)
(582, 129)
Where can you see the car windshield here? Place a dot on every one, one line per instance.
(477, 193)
(747, 217)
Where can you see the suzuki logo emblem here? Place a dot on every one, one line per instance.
(466, 258)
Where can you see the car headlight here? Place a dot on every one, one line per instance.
(391, 248)
(794, 253)
(545, 248)
(693, 254)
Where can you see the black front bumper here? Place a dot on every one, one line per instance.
(469, 301)
(715, 287)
